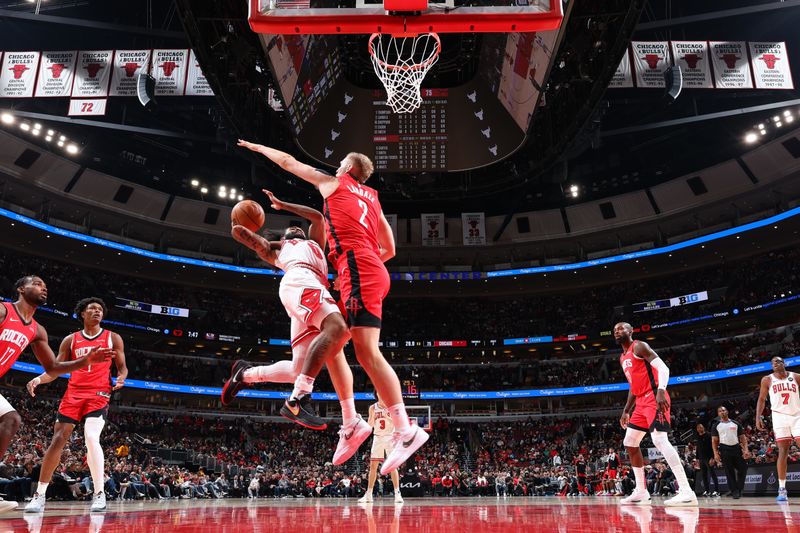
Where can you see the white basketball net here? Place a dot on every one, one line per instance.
(401, 63)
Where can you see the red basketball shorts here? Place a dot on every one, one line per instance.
(647, 417)
(78, 405)
(363, 284)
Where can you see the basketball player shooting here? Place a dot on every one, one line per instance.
(317, 326)
(18, 329)
(648, 410)
(86, 400)
(360, 240)
(784, 399)
(382, 428)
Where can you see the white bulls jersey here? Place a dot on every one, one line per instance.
(784, 394)
(383, 425)
(303, 253)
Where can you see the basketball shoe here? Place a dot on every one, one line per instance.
(36, 505)
(351, 437)
(684, 498)
(236, 382)
(403, 446)
(637, 498)
(300, 410)
(98, 502)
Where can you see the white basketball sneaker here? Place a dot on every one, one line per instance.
(99, 502)
(366, 498)
(398, 498)
(405, 444)
(351, 437)
(36, 505)
(637, 498)
(684, 498)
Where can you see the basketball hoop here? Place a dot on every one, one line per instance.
(401, 64)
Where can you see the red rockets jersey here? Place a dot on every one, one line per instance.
(352, 214)
(639, 372)
(15, 336)
(93, 377)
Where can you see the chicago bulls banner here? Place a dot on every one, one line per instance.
(169, 70)
(432, 229)
(651, 59)
(771, 66)
(392, 220)
(692, 57)
(473, 228)
(623, 77)
(56, 72)
(196, 82)
(87, 107)
(18, 75)
(731, 67)
(92, 73)
(128, 64)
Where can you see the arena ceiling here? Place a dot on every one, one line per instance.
(603, 142)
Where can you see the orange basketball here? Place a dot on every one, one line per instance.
(249, 214)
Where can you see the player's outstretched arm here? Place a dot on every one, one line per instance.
(762, 402)
(53, 367)
(122, 368)
(288, 163)
(316, 231)
(385, 239)
(255, 242)
(44, 377)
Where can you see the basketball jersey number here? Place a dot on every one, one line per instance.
(310, 300)
(785, 396)
(383, 423)
(364, 210)
(6, 356)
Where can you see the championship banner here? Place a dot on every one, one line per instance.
(82, 107)
(692, 57)
(392, 220)
(128, 64)
(473, 226)
(169, 70)
(623, 77)
(651, 60)
(731, 67)
(432, 229)
(18, 75)
(771, 66)
(196, 82)
(92, 74)
(56, 74)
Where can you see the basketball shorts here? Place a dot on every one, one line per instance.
(381, 447)
(5, 407)
(76, 406)
(363, 284)
(785, 427)
(647, 417)
(306, 299)
(610, 474)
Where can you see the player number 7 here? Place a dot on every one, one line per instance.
(785, 397)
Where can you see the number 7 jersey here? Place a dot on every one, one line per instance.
(352, 214)
(784, 394)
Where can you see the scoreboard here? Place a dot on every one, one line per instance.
(411, 141)
(409, 389)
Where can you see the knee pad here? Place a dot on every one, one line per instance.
(633, 437)
(92, 428)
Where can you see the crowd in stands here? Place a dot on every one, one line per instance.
(227, 458)
(257, 314)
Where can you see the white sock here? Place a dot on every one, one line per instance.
(280, 372)
(781, 483)
(349, 413)
(638, 474)
(92, 428)
(399, 417)
(42, 488)
(674, 461)
(302, 385)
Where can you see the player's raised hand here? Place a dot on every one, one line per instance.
(31, 386)
(100, 355)
(258, 244)
(254, 147)
(275, 203)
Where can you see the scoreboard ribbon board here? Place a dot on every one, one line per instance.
(666, 303)
(155, 309)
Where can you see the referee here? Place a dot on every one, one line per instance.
(730, 449)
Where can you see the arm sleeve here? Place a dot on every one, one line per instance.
(663, 372)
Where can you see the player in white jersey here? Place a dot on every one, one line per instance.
(784, 400)
(382, 427)
(315, 320)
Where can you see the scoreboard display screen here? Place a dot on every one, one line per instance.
(409, 389)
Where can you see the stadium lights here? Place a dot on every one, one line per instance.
(240, 197)
(25, 126)
(195, 183)
(203, 190)
(778, 124)
(223, 189)
(776, 118)
(72, 149)
(62, 138)
(221, 193)
(35, 132)
(50, 132)
(787, 113)
(750, 138)
(60, 143)
(7, 118)
(37, 126)
(789, 119)
(48, 138)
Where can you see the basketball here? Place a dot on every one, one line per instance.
(249, 214)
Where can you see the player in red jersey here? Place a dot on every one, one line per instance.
(86, 400)
(18, 329)
(360, 241)
(647, 410)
